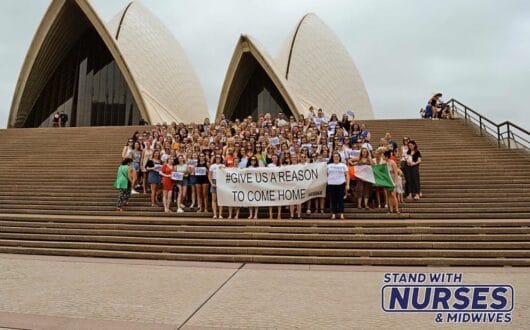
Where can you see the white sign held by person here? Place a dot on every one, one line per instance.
(271, 186)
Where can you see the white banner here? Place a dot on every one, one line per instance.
(271, 186)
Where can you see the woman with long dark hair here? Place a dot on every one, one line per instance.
(413, 160)
(153, 167)
(253, 211)
(275, 162)
(200, 172)
(338, 184)
(297, 207)
(218, 163)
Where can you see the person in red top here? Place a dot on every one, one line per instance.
(229, 157)
(167, 183)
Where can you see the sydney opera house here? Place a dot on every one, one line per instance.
(133, 68)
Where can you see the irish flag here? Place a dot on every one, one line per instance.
(379, 175)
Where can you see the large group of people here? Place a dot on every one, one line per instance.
(176, 163)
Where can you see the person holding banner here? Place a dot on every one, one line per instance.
(393, 204)
(275, 162)
(200, 172)
(180, 176)
(218, 163)
(231, 208)
(253, 211)
(338, 177)
(380, 191)
(167, 183)
(363, 187)
(298, 207)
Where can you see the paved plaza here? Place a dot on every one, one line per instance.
(42, 292)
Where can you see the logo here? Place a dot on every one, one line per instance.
(445, 295)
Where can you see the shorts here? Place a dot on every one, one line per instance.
(213, 189)
(201, 179)
(191, 180)
(153, 178)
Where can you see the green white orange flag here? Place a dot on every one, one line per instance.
(379, 175)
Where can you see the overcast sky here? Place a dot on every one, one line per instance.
(475, 51)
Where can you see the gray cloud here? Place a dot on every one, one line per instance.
(476, 51)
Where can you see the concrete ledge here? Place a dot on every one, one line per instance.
(32, 321)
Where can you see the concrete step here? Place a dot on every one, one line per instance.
(238, 250)
(390, 261)
(163, 230)
(475, 210)
(263, 214)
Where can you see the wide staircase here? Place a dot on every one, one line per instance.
(56, 198)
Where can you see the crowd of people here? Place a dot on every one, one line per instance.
(176, 163)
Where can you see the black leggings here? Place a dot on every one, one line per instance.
(413, 180)
(123, 197)
(336, 198)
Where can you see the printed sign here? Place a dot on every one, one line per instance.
(272, 186)
(200, 171)
(177, 176)
(274, 141)
(447, 297)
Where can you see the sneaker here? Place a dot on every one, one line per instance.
(308, 211)
(134, 192)
(179, 210)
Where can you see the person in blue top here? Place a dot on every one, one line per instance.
(123, 181)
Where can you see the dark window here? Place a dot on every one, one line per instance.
(89, 87)
(259, 96)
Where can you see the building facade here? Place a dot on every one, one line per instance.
(105, 74)
(132, 68)
(313, 68)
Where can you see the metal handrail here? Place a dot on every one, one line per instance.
(506, 133)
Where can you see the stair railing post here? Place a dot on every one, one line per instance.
(465, 113)
(498, 136)
(509, 136)
(480, 124)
